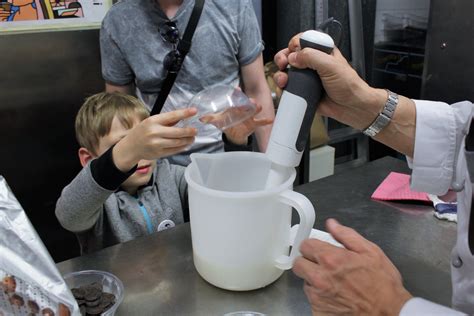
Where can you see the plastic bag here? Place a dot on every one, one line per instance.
(30, 281)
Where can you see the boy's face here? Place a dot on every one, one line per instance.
(145, 167)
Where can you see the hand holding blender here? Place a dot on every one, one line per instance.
(298, 105)
(296, 111)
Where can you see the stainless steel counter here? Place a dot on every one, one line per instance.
(160, 279)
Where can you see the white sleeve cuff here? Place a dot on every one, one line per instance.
(440, 129)
(418, 306)
(435, 147)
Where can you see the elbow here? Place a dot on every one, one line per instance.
(69, 220)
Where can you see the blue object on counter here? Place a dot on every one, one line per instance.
(444, 210)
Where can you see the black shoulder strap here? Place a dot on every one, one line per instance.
(184, 46)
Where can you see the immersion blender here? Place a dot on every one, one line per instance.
(296, 110)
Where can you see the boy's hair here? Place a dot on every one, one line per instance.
(95, 116)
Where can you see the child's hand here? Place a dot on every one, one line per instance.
(153, 138)
(238, 134)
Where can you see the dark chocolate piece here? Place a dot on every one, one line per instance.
(9, 284)
(34, 308)
(63, 310)
(47, 312)
(78, 293)
(17, 300)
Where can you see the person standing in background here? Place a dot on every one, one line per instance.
(226, 49)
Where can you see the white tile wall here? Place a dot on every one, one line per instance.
(398, 8)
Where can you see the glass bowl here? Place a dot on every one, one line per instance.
(110, 283)
(222, 106)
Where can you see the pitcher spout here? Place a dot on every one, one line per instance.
(203, 164)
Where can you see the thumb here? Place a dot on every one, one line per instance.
(309, 58)
(347, 236)
(325, 64)
(258, 107)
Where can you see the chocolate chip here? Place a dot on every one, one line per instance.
(17, 300)
(78, 293)
(63, 310)
(108, 297)
(34, 308)
(93, 303)
(82, 309)
(47, 312)
(105, 305)
(94, 310)
(97, 285)
(92, 293)
(92, 300)
(9, 284)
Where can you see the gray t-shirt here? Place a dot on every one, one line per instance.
(132, 49)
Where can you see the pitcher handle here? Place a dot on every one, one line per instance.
(307, 215)
(315, 234)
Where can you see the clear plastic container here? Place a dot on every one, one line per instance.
(111, 284)
(222, 106)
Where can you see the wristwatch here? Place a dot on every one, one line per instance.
(384, 117)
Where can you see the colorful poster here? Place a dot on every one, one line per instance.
(18, 15)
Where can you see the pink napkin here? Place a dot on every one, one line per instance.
(396, 186)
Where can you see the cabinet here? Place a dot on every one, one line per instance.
(449, 65)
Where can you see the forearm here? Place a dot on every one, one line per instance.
(262, 95)
(366, 104)
(124, 155)
(256, 87)
(399, 134)
(82, 201)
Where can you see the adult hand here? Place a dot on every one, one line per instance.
(357, 280)
(153, 138)
(348, 98)
(239, 133)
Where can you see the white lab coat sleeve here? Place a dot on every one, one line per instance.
(435, 147)
(420, 307)
(440, 129)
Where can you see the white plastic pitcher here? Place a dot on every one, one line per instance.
(240, 228)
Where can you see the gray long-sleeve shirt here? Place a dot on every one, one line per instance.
(101, 217)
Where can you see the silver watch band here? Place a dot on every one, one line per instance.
(384, 117)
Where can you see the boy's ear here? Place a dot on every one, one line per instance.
(85, 155)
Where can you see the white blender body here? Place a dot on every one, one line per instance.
(298, 106)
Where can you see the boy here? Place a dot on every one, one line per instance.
(123, 191)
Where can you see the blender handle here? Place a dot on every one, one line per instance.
(307, 216)
(298, 105)
(307, 84)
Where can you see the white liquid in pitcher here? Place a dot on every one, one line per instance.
(237, 277)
